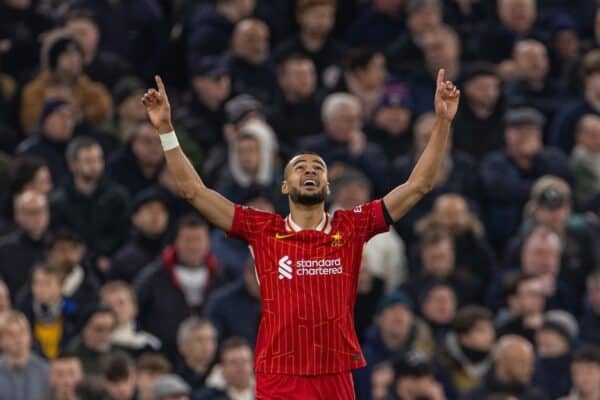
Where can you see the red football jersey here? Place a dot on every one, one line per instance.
(308, 281)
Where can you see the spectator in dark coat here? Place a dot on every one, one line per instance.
(211, 26)
(478, 127)
(585, 370)
(508, 175)
(296, 111)
(512, 372)
(251, 70)
(344, 142)
(379, 24)
(590, 319)
(134, 30)
(91, 204)
(235, 309)
(20, 250)
(149, 220)
(57, 124)
(197, 346)
(316, 19)
(177, 285)
(136, 165)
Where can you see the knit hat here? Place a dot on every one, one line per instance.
(240, 106)
(49, 107)
(211, 67)
(396, 95)
(562, 323)
(397, 297)
(304, 5)
(57, 44)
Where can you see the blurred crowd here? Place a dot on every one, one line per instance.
(111, 287)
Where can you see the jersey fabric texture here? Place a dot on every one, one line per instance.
(294, 387)
(308, 281)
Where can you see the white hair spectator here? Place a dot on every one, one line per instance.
(335, 101)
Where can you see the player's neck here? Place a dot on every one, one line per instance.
(307, 217)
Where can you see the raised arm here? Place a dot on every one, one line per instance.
(215, 208)
(421, 180)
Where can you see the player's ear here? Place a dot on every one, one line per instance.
(284, 187)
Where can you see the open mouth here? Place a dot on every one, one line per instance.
(309, 183)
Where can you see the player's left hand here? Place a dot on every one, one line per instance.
(446, 97)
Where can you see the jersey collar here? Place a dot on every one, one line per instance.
(324, 226)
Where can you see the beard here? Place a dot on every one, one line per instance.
(308, 199)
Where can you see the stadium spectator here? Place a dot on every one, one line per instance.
(20, 250)
(365, 75)
(149, 221)
(23, 374)
(90, 203)
(149, 368)
(508, 174)
(466, 352)
(63, 72)
(585, 373)
(101, 66)
(379, 24)
(118, 371)
(136, 165)
(56, 127)
(478, 127)
(590, 319)
(554, 343)
(128, 114)
(66, 372)
(251, 69)
(438, 307)
(120, 298)
(586, 168)
(197, 346)
(170, 387)
(344, 142)
(370, 290)
(176, 285)
(236, 367)
(26, 173)
(94, 341)
(396, 331)
(316, 19)
(414, 379)
(381, 381)
(295, 112)
(235, 308)
(512, 372)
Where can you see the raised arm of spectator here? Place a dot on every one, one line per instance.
(422, 179)
(216, 208)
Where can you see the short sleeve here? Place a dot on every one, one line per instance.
(248, 223)
(369, 219)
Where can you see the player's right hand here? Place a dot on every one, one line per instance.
(158, 107)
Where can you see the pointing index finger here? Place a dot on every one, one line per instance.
(440, 77)
(160, 85)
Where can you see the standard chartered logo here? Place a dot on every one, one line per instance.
(323, 266)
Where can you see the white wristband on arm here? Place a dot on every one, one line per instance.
(169, 141)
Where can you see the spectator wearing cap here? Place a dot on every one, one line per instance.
(512, 372)
(171, 387)
(590, 318)
(129, 110)
(532, 84)
(405, 54)
(414, 379)
(251, 69)
(379, 24)
(91, 204)
(344, 141)
(456, 176)
(63, 70)
(235, 308)
(149, 220)
(136, 165)
(295, 113)
(391, 121)
(21, 249)
(177, 284)
(555, 342)
(94, 341)
(584, 159)
(478, 126)
(212, 25)
(100, 65)
(564, 126)
(508, 174)
(56, 128)
(316, 19)
(466, 352)
(203, 113)
(120, 298)
(396, 331)
(585, 374)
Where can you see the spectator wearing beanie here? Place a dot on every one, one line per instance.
(62, 70)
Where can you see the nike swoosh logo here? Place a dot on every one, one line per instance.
(279, 236)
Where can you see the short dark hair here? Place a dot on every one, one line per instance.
(587, 354)
(233, 343)
(468, 316)
(512, 281)
(153, 363)
(62, 234)
(77, 144)
(117, 366)
(283, 61)
(22, 170)
(81, 14)
(359, 58)
(92, 388)
(191, 220)
(434, 235)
